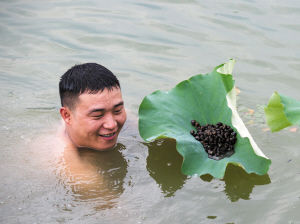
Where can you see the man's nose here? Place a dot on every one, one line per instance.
(110, 122)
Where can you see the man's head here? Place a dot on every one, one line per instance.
(92, 106)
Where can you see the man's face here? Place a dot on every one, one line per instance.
(97, 119)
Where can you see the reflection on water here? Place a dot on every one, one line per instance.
(95, 176)
(239, 184)
(164, 166)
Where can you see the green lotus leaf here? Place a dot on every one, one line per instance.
(209, 99)
(282, 111)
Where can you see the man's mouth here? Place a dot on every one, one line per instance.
(108, 135)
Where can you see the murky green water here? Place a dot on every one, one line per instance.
(149, 45)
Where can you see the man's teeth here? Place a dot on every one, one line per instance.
(109, 135)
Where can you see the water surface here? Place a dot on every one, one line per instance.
(149, 45)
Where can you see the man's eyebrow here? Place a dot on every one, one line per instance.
(102, 110)
(119, 104)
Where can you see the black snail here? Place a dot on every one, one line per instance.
(218, 140)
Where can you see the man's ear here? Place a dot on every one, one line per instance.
(65, 113)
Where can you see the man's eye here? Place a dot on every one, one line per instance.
(98, 116)
(117, 111)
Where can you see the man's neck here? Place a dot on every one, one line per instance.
(63, 134)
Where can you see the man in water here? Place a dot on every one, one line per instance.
(93, 114)
(92, 107)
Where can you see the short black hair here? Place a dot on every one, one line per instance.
(88, 77)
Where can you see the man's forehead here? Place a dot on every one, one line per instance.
(101, 98)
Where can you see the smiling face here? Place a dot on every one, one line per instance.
(96, 120)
